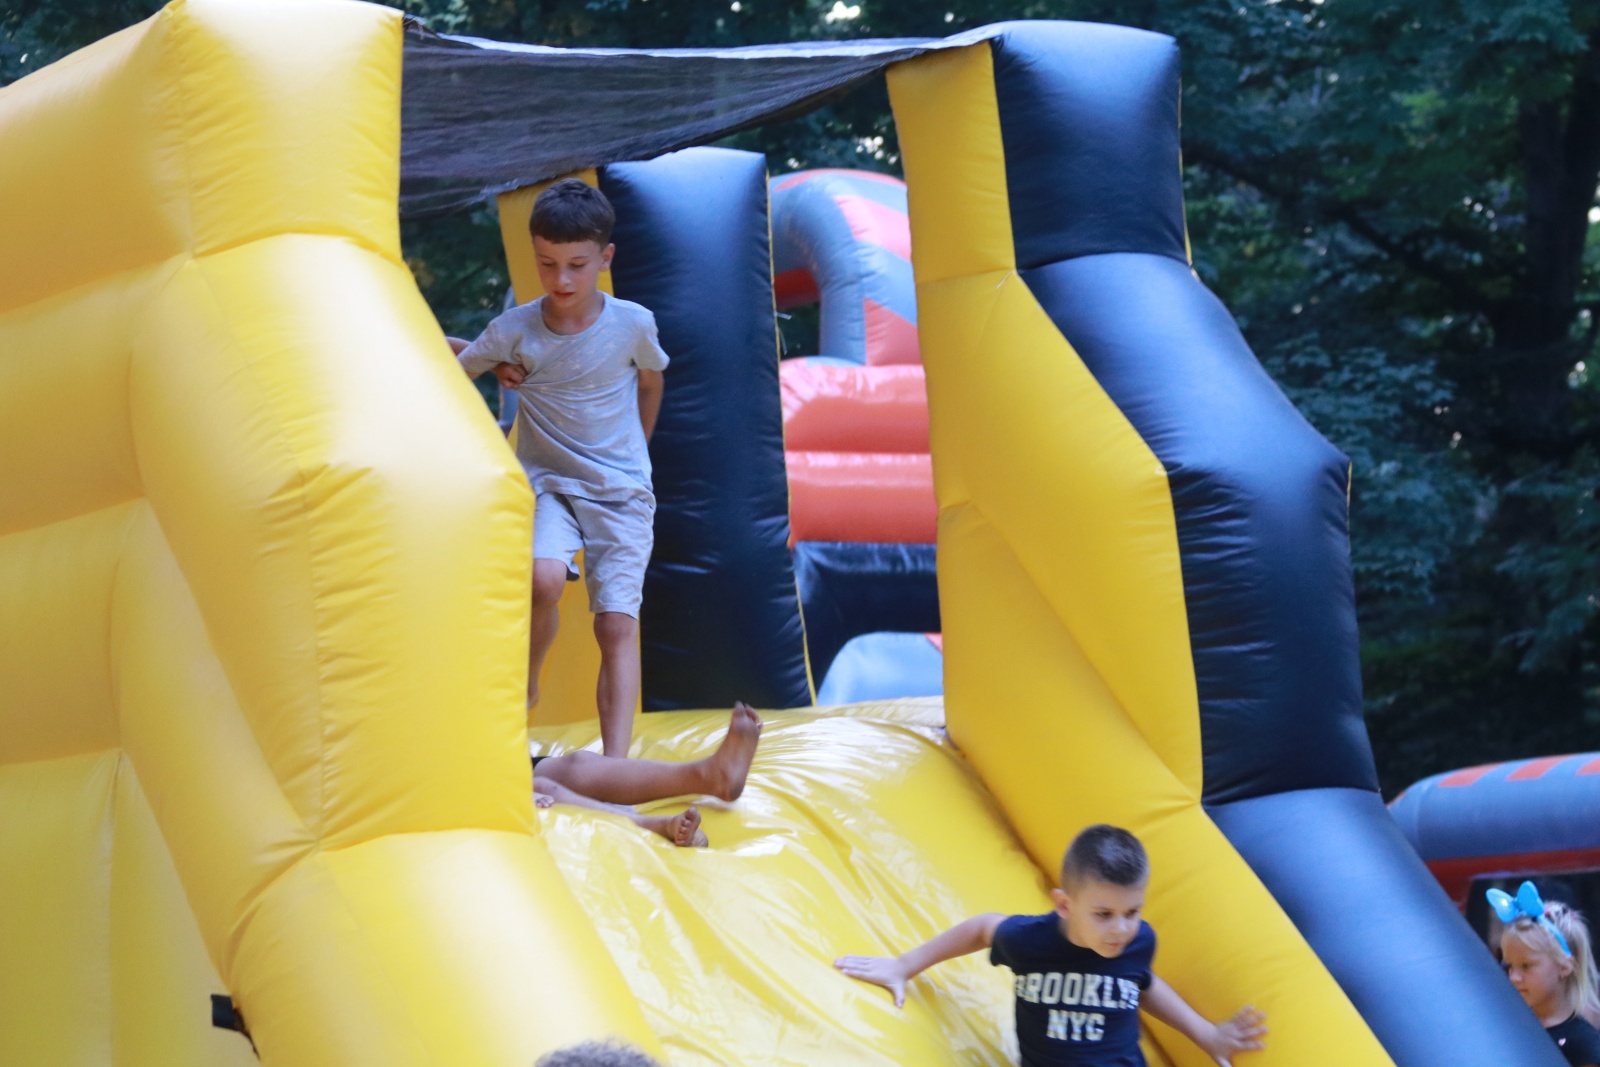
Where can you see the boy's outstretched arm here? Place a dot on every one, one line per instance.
(894, 972)
(651, 386)
(1221, 1041)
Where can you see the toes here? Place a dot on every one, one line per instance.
(688, 828)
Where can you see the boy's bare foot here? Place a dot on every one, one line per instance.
(728, 767)
(682, 829)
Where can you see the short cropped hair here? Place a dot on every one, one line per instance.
(571, 211)
(597, 1054)
(1105, 854)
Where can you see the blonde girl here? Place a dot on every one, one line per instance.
(1549, 958)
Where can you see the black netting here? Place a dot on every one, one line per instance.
(480, 117)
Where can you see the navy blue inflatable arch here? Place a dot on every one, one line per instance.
(721, 618)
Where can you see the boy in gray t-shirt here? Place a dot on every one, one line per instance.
(586, 370)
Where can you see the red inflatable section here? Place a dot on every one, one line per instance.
(891, 340)
(856, 443)
(854, 409)
(794, 288)
(883, 497)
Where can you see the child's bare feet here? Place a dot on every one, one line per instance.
(682, 829)
(727, 769)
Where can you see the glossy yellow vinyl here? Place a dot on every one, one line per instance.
(1068, 677)
(263, 583)
(861, 830)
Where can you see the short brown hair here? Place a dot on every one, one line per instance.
(570, 211)
(1105, 854)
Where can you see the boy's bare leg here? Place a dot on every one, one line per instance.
(549, 579)
(617, 691)
(639, 781)
(682, 829)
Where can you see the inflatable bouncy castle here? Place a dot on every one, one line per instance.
(264, 578)
(1530, 818)
(862, 511)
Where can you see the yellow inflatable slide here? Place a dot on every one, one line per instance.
(263, 594)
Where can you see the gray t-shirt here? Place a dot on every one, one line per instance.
(578, 429)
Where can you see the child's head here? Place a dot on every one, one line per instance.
(1103, 879)
(571, 229)
(1552, 977)
(597, 1054)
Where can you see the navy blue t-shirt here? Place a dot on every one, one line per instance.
(1075, 1008)
(1578, 1041)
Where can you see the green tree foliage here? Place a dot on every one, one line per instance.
(1396, 199)
(1393, 196)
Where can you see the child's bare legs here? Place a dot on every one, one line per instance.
(682, 829)
(549, 579)
(639, 781)
(617, 692)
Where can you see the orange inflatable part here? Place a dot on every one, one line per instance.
(854, 409)
(862, 496)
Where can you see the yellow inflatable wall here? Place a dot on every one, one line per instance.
(264, 569)
(1068, 677)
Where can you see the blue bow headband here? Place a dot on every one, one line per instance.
(1526, 904)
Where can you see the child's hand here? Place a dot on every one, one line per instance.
(879, 970)
(1242, 1033)
(509, 375)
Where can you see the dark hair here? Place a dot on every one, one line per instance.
(597, 1054)
(571, 211)
(1104, 854)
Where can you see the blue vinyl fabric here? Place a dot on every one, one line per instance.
(1109, 97)
(883, 666)
(849, 588)
(811, 233)
(721, 619)
(1092, 170)
(1498, 815)
(1344, 873)
(1260, 502)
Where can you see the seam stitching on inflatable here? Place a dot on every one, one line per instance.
(1067, 628)
(314, 825)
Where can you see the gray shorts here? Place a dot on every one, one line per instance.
(615, 536)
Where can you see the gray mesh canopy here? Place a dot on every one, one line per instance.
(480, 117)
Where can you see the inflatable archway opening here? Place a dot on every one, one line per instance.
(841, 239)
(263, 640)
(863, 514)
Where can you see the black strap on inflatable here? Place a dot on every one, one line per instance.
(225, 1016)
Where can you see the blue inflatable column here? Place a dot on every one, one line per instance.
(721, 619)
(1089, 121)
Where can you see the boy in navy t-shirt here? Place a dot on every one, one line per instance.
(1082, 970)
